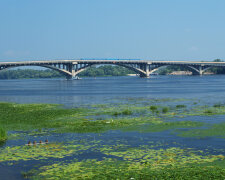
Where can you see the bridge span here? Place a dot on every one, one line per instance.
(71, 68)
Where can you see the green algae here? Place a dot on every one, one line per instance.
(43, 151)
(83, 120)
(33, 116)
(138, 163)
(160, 126)
(216, 130)
(127, 162)
(181, 106)
(110, 169)
(3, 134)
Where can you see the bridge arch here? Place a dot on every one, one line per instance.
(62, 71)
(135, 69)
(196, 70)
(71, 72)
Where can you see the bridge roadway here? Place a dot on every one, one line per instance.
(71, 68)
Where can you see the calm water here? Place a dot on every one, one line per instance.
(208, 89)
(106, 89)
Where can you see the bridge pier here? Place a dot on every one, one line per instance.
(198, 70)
(146, 70)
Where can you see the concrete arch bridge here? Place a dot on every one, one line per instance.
(71, 68)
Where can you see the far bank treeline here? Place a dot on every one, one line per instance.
(105, 70)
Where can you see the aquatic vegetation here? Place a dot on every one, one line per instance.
(3, 134)
(111, 158)
(208, 111)
(153, 108)
(35, 116)
(160, 126)
(181, 106)
(165, 109)
(124, 112)
(218, 105)
(138, 163)
(45, 151)
(217, 130)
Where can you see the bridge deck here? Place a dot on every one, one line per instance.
(115, 62)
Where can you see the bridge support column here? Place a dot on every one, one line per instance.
(146, 69)
(200, 70)
(69, 67)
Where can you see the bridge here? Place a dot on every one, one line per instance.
(71, 68)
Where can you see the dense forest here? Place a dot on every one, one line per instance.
(106, 70)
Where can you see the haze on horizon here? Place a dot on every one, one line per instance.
(146, 29)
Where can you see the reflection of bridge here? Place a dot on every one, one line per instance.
(70, 68)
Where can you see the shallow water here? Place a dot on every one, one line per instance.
(205, 90)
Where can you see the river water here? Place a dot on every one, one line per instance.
(106, 89)
(102, 90)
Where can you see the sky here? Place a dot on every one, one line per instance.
(135, 29)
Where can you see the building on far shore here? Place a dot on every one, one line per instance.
(180, 73)
(187, 73)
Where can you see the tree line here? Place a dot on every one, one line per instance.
(106, 70)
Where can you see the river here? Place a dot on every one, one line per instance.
(106, 90)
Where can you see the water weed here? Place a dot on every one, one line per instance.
(3, 134)
(138, 163)
(217, 130)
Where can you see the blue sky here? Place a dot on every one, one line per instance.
(146, 29)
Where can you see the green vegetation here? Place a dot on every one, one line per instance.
(169, 69)
(165, 109)
(124, 112)
(29, 73)
(138, 163)
(153, 108)
(115, 158)
(181, 106)
(106, 70)
(3, 134)
(216, 130)
(158, 126)
(34, 116)
(218, 105)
